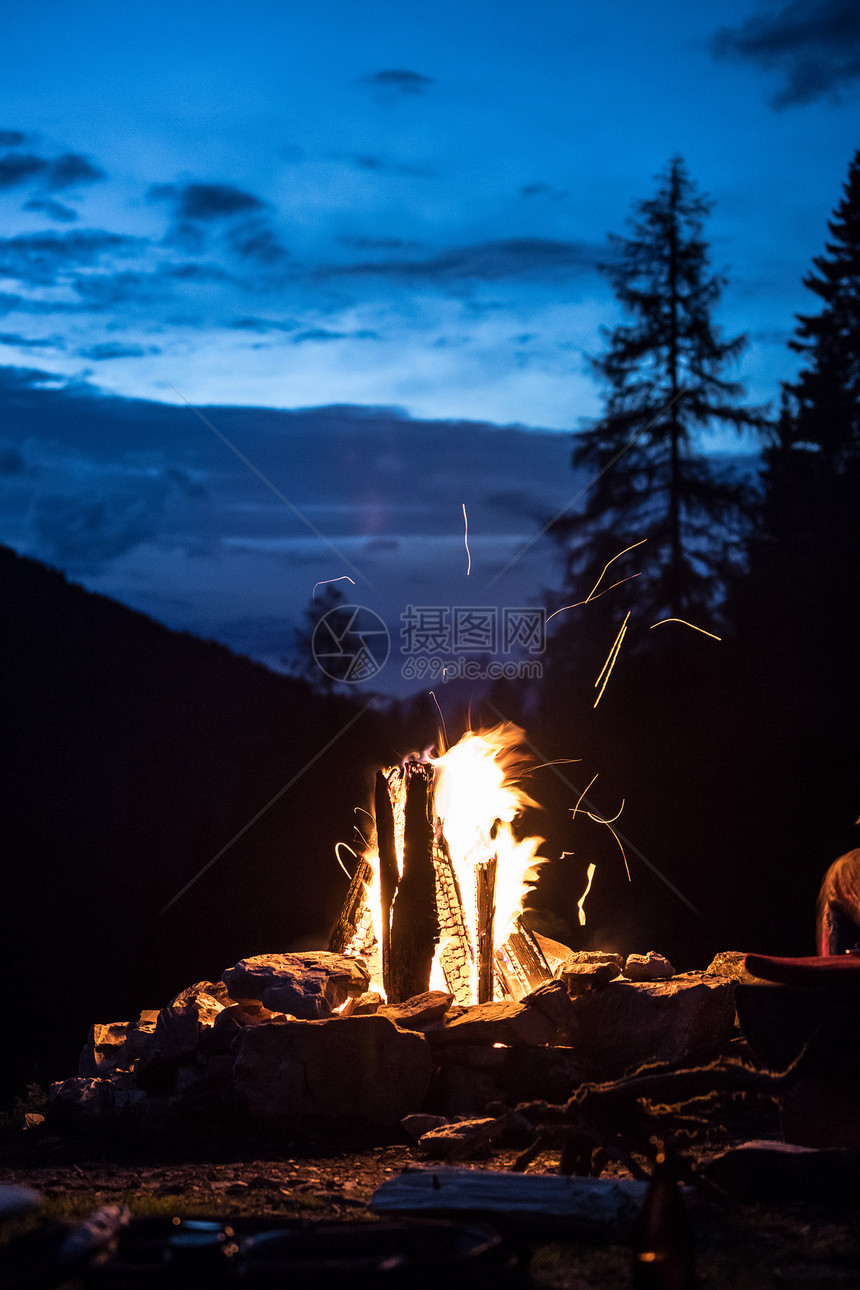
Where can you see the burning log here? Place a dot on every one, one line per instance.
(353, 931)
(414, 920)
(485, 903)
(521, 963)
(455, 953)
(388, 873)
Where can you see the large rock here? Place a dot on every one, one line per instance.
(628, 1023)
(731, 965)
(180, 1025)
(419, 1011)
(178, 1035)
(309, 985)
(648, 967)
(355, 1069)
(115, 1044)
(102, 1050)
(496, 1023)
(588, 970)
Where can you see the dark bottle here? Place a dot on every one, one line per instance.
(664, 1257)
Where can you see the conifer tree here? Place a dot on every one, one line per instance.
(665, 376)
(824, 401)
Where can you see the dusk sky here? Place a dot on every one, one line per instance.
(384, 205)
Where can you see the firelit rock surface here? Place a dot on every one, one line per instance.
(730, 964)
(629, 1023)
(309, 985)
(419, 1011)
(496, 1023)
(101, 1052)
(358, 1069)
(181, 1024)
(648, 967)
(589, 970)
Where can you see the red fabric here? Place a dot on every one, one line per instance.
(833, 969)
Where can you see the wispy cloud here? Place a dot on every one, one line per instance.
(814, 44)
(382, 165)
(116, 349)
(518, 257)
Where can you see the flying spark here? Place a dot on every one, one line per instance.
(611, 660)
(686, 624)
(580, 904)
(324, 582)
(466, 540)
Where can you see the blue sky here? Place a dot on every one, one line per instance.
(384, 205)
(294, 204)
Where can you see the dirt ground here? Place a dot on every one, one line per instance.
(749, 1246)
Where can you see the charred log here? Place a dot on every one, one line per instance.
(456, 955)
(354, 923)
(388, 873)
(520, 962)
(414, 919)
(485, 901)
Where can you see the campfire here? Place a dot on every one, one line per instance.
(436, 899)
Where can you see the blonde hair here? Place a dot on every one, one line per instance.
(838, 904)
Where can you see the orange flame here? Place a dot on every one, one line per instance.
(478, 798)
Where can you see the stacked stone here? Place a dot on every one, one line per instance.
(268, 1039)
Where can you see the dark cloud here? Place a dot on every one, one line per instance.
(257, 242)
(398, 82)
(185, 483)
(16, 168)
(203, 202)
(66, 171)
(27, 342)
(814, 45)
(12, 138)
(378, 243)
(70, 170)
(540, 189)
(116, 349)
(11, 459)
(517, 257)
(53, 209)
(367, 161)
(15, 379)
(82, 533)
(197, 209)
(43, 258)
(192, 272)
(323, 334)
(261, 325)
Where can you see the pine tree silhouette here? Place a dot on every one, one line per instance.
(824, 402)
(664, 371)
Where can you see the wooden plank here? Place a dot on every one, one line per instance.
(585, 1206)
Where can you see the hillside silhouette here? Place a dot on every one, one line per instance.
(135, 754)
